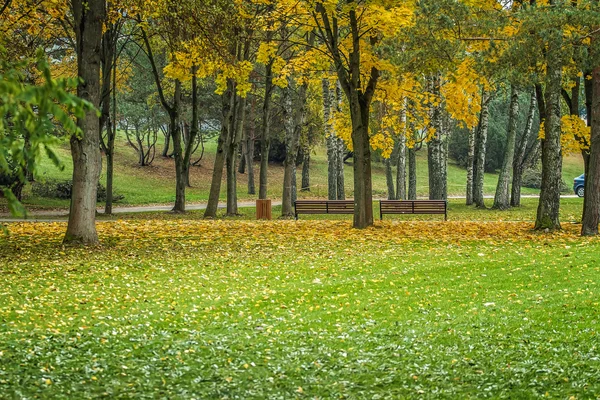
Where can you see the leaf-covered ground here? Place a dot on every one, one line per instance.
(309, 309)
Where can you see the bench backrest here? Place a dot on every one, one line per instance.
(413, 206)
(324, 207)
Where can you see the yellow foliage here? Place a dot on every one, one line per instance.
(575, 134)
(342, 126)
(462, 93)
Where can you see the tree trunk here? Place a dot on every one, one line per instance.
(527, 139)
(359, 100)
(250, 136)
(294, 184)
(401, 169)
(332, 165)
(549, 203)
(470, 160)
(215, 187)
(339, 143)
(190, 146)
(591, 200)
(389, 179)
(294, 117)
(108, 116)
(287, 208)
(444, 156)
(108, 206)
(165, 152)
(363, 188)
(331, 140)
(176, 137)
(243, 153)
(502, 198)
(306, 171)
(340, 180)
(480, 148)
(265, 138)
(435, 152)
(88, 22)
(111, 136)
(232, 151)
(412, 173)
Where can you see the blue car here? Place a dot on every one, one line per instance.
(579, 185)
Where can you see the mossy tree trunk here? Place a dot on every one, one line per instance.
(591, 207)
(549, 202)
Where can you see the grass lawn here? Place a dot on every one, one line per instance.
(155, 184)
(309, 309)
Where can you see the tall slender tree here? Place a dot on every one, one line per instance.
(502, 197)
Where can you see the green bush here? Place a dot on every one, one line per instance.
(532, 178)
(62, 190)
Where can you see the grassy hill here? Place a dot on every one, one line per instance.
(155, 184)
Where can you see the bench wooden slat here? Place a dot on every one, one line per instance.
(437, 207)
(324, 207)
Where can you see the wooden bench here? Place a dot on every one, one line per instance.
(413, 207)
(323, 207)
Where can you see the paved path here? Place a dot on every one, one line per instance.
(61, 215)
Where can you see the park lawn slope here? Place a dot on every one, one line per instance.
(309, 309)
(155, 184)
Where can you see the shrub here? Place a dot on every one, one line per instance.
(62, 190)
(532, 178)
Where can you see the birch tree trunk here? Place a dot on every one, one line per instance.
(331, 140)
(294, 117)
(88, 17)
(401, 169)
(435, 151)
(528, 141)
(470, 161)
(480, 148)
(444, 156)
(549, 203)
(412, 174)
(502, 197)
(290, 158)
(340, 181)
(265, 137)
